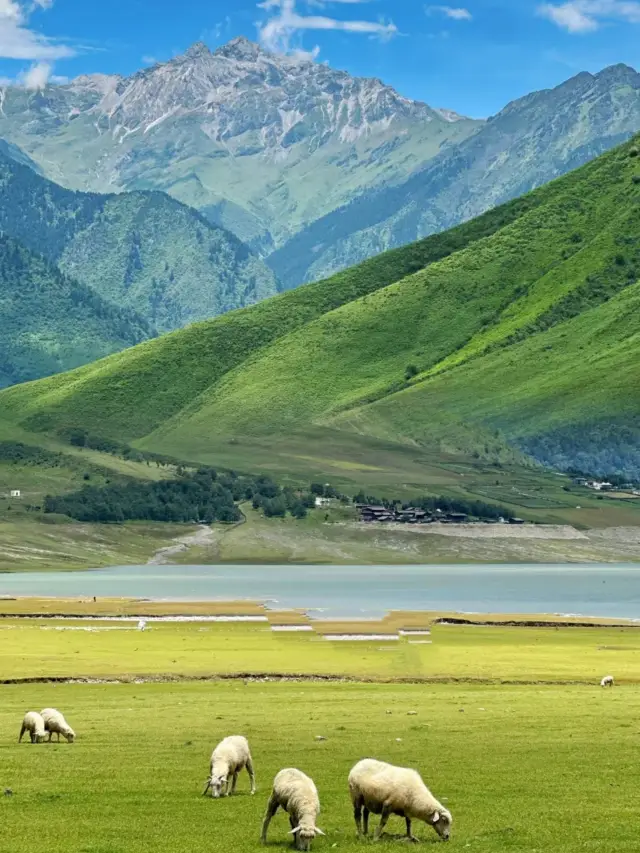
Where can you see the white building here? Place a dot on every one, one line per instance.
(15, 493)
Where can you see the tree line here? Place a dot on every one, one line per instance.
(202, 496)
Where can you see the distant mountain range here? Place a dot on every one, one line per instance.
(312, 168)
(515, 334)
(532, 141)
(262, 144)
(88, 274)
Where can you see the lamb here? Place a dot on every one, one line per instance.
(56, 724)
(34, 724)
(296, 793)
(607, 681)
(229, 757)
(385, 790)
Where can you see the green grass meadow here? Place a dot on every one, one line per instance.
(530, 766)
(521, 768)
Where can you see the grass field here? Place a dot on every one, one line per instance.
(536, 767)
(51, 649)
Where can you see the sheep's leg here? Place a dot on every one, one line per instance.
(357, 816)
(32, 737)
(366, 820)
(386, 814)
(272, 808)
(409, 835)
(234, 782)
(22, 731)
(252, 775)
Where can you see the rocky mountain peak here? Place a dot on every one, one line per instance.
(241, 49)
(197, 50)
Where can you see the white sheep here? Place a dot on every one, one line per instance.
(229, 757)
(297, 794)
(34, 724)
(607, 681)
(55, 724)
(385, 790)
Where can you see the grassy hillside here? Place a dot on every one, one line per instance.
(142, 250)
(531, 141)
(51, 322)
(513, 332)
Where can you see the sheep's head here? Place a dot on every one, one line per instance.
(441, 822)
(304, 835)
(218, 785)
(69, 735)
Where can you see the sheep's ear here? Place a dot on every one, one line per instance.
(320, 832)
(435, 817)
(294, 831)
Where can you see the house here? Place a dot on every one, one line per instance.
(376, 513)
(600, 486)
(516, 521)
(323, 502)
(456, 517)
(16, 493)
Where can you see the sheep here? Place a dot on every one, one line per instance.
(607, 681)
(229, 757)
(34, 724)
(385, 790)
(296, 793)
(56, 724)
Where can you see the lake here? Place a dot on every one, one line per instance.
(608, 590)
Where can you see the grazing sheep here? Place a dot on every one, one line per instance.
(385, 790)
(56, 724)
(296, 793)
(34, 724)
(229, 757)
(607, 681)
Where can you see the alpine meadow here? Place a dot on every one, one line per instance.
(511, 337)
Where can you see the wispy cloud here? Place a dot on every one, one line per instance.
(453, 12)
(19, 41)
(585, 16)
(286, 22)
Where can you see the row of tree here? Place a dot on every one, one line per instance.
(202, 496)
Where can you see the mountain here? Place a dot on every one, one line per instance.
(144, 251)
(512, 335)
(530, 142)
(262, 144)
(52, 323)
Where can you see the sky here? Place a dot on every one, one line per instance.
(473, 56)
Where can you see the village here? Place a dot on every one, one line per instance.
(416, 515)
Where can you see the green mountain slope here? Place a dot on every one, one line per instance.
(512, 332)
(533, 140)
(142, 250)
(50, 322)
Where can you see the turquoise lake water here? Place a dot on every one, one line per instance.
(611, 590)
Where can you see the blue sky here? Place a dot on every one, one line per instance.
(472, 56)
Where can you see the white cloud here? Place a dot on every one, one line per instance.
(280, 29)
(584, 16)
(18, 41)
(456, 14)
(37, 76)
(149, 60)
